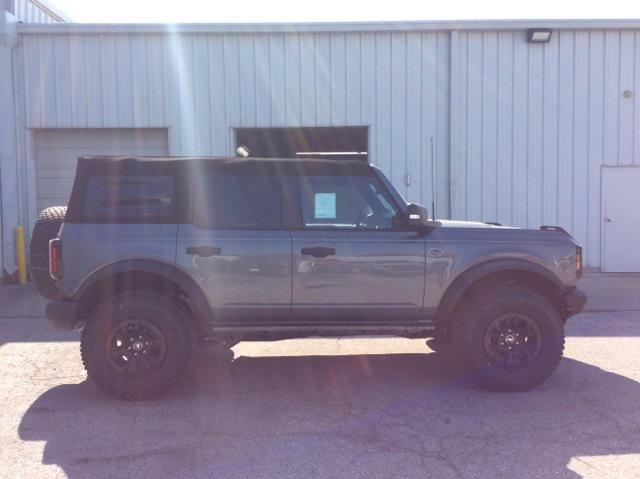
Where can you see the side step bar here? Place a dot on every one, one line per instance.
(324, 330)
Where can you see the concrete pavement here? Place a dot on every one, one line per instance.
(327, 407)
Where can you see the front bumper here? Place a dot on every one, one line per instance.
(574, 300)
(62, 313)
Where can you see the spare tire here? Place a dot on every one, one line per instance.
(46, 228)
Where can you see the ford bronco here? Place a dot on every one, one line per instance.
(154, 257)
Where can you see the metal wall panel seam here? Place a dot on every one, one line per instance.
(513, 131)
(636, 100)
(454, 127)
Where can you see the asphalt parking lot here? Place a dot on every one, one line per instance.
(327, 408)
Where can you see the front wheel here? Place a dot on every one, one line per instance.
(136, 344)
(511, 337)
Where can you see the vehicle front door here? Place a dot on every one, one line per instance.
(353, 259)
(237, 247)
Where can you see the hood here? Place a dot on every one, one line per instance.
(471, 224)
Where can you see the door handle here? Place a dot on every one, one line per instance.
(318, 251)
(203, 251)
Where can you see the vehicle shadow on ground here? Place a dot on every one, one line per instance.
(398, 415)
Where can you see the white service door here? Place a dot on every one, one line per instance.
(56, 153)
(621, 219)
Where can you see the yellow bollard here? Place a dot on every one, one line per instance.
(21, 259)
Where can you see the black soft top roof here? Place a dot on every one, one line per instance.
(189, 164)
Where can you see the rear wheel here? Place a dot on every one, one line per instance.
(511, 337)
(46, 228)
(137, 344)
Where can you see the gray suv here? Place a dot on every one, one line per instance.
(156, 256)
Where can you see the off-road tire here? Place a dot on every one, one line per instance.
(165, 313)
(476, 314)
(46, 228)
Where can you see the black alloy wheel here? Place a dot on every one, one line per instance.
(512, 341)
(136, 348)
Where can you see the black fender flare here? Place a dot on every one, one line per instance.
(171, 273)
(468, 277)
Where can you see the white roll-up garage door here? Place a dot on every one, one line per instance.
(56, 152)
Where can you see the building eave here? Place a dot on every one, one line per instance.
(341, 27)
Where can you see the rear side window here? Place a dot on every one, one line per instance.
(128, 198)
(228, 201)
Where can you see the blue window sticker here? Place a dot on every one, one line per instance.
(325, 206)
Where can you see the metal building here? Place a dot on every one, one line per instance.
(524, 133)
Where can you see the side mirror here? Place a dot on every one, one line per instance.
(417, 216)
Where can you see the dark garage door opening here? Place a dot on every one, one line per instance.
(345, 143)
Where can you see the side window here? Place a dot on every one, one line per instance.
(243, 201)
(345, 202)
(128, 197)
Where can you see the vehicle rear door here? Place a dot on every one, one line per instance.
(353, 260)
(237, 248)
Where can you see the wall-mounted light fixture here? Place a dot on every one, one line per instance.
(539, 35)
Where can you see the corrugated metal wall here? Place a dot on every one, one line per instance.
(537, 121)
(200, 86)
(521, 130)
